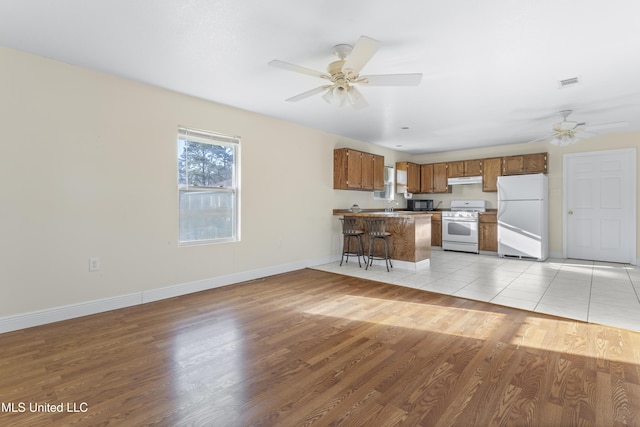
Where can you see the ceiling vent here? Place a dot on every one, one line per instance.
(569, 82)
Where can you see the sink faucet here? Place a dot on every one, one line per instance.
(390, 208)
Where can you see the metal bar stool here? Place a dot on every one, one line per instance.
(349, 232)
(376, 228)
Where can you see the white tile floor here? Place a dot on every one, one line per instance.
(592, 291)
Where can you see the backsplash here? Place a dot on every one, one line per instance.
(469, 192)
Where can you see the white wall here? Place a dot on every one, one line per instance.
(88, 169)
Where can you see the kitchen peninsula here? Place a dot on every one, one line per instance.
(410, 240)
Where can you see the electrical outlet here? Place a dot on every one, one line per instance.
(94, 264)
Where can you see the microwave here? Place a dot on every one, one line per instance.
(419, 205)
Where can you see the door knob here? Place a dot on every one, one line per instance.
(570, 212)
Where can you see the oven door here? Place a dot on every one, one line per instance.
(460, 230)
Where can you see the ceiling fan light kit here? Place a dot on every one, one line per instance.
(345, 73)
(564, 140)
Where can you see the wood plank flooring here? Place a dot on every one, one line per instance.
(311, 348)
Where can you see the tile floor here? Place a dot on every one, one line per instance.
(592, 291)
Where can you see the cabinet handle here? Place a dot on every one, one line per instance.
(570, 212)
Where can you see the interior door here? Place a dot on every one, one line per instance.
(599, 202)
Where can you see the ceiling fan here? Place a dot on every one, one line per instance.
(567, 132)
(344, 74)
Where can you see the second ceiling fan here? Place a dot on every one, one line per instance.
(343, 75)
(567, 132)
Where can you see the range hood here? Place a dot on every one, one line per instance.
(465, 180)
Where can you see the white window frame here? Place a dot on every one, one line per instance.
(207, 137)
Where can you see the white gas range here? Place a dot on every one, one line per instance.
(460, 225)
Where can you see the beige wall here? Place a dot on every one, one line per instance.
(88, 168)
(555, 166)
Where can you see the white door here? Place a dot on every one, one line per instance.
(599, 202)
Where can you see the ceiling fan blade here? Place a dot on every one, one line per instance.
(362, 52)
(585, 134)
(412, 79)
(604, 126)
(542, 138)
(308, 93)
(298, 69)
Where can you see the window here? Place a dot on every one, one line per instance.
(208, 186)
(387, 193)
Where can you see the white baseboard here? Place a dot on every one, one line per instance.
(57, 314)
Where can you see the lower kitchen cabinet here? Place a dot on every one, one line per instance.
(436, 228)
(488, 232)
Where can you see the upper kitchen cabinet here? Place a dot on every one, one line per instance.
(524, 164)
(426, 178)
(491, 170)
(440, 174)
(407, 177)
(465, 168)
(433, 178)
(356, 170)
(372, 172)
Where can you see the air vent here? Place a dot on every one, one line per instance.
(569, 82)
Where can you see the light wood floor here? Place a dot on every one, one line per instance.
(316, 348)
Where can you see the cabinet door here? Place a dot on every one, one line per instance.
(456, 169)
(413, 178)
(440, 178)
(488, 232)
(436, 229)
(472, 167)
(354, 169)
(367, 171)
(491, 170)
(513, 165)
(426, 178)
(488, 237)
(378, 172)
(535, 163)
(526, 163)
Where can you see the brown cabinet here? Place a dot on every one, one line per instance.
(356, 170)
(465, 168)
(525, 163)
(378, 172)
(372, 172)
(433, 178)
(440, 174)
(491, 170)
(488, 232)
(436, 228)
(426, 178)
(407, 177)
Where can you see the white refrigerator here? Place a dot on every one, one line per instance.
(523, 216)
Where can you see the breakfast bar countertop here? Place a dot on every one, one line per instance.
(375, 212)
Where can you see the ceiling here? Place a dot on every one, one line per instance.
(491, 70)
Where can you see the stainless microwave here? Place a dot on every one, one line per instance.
(419, 205)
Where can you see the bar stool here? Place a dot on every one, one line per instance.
(349, 232)
(377, 230)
